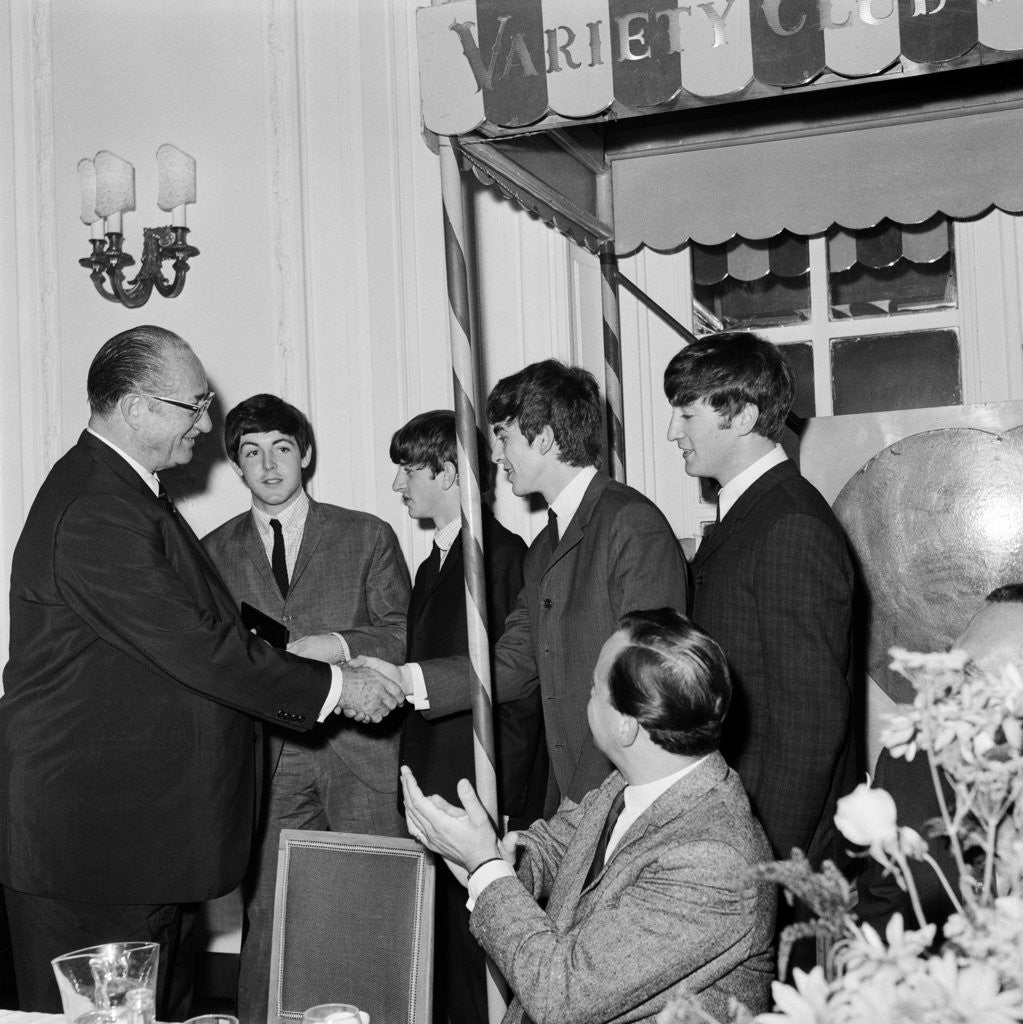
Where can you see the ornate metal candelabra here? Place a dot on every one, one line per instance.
(159, 244)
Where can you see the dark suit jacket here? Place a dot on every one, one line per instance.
(440, 750)
(618, 554)
(127, 754)
(773, 584)
(350, 577)
(671, 908)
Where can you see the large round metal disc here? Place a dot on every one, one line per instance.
(936, 522)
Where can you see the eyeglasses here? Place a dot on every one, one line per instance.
(198, 411)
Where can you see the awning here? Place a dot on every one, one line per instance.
(499, 65)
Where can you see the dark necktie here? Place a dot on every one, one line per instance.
(552, 523)
(165, 500)
(278, 561)
(613, 814)
(431, 568)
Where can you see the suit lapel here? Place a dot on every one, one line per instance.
(252, 545)
(422, 591)
(579, 522)
(743, 508)
(312, 534)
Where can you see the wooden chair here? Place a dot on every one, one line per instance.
(353, 923)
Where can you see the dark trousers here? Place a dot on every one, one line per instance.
(43, 928)
(459, 971)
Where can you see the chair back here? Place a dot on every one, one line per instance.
(353, 923)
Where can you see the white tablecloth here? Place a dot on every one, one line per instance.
(17, 1017)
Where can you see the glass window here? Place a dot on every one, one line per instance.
(878, 372)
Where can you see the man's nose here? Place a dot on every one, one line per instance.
(398, 481)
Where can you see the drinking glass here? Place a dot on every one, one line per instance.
(213, 1018)
(335, 1013)
(110, 984)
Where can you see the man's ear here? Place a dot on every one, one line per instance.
(448, 475)
(628, 730)
(131, 409)
(307, 458)
(234, 465)
(744, 421)
(544, 441)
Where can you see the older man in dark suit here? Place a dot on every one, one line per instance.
(606, 550)
(645, 883)
(128, 749)
(773, 584)
(337, 579)
(440, 750)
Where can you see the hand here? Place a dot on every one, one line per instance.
(385, 668)
(463, 834)
(367, 696)
(318, 647)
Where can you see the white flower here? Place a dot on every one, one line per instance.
(807, 1003)
(867, 817)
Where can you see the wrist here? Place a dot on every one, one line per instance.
(488, 860)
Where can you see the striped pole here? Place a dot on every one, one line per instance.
(461, 325)
(614, 406)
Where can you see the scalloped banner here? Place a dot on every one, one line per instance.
(514, 63)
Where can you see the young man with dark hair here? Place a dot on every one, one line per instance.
(337, 579)
(641, 891)
(773, 584)
(440, 750)
(606, 550)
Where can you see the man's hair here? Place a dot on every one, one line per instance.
(730, 370)
(130, 363)
(430, 439)
(262, 414)
(1011, 593)
(565, 398)
(673, 679)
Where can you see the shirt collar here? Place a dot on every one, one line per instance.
(292, 518)
(639, 798)
(742, 482)
(567, 503)
(151, 480)
(444, 536)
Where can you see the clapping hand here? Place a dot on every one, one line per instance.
(463, 836)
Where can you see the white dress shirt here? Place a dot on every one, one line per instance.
(731, 492)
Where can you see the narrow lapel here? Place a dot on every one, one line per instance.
(741, 509)
(573, 534)
(312, 534)
(252, 545)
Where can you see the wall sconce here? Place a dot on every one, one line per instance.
(108, 191)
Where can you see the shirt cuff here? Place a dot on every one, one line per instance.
(346, 651)
(484, 876)
(413, 682)
(334, 696)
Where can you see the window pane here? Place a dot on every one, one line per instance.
(915, 370)
(750, 283)
(799, 355)
(891, 269)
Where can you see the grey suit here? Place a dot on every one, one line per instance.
(670, 910)
(349, 577)
(618, 554)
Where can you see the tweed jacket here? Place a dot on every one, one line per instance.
(618, 554)
(670, 910)
(773, 584)
(350, 577)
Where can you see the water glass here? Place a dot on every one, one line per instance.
(110, 984)
(335, 1013)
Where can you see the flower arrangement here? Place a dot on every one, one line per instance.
(969, 726)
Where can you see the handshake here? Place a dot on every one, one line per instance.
(372, 688)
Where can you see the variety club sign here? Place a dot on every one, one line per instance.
(514, 62)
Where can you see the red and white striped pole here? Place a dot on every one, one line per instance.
(614, 405)
(462, 327)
